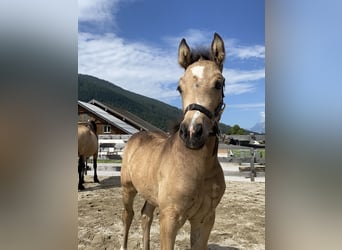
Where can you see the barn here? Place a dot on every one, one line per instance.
(114, 126)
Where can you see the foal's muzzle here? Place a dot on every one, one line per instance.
(194, 135)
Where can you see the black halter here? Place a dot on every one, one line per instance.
(195, 106)
(209, 114)
(200, 108)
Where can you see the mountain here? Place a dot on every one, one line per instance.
(259, 127)
(159, 114)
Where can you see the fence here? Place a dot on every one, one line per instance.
(241, 155)
(111, 146)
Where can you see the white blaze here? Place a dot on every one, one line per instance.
(198, 71)
(193, 120)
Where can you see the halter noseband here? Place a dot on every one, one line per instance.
(208, 113)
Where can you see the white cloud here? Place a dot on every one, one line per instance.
(244, 52)
(134, 66)
(146, 70)
(97, 10)
(262, 116)
(235, 50)
(239, 88)
(241, 81)
(248, 106)
(235, 76)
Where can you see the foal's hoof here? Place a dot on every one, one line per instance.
(96, 180)
(80, 187)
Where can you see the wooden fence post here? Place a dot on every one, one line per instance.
(253, 172)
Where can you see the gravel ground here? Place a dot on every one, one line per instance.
(240, 219)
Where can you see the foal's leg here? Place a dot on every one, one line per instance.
(80, 171)
(170, 223)
(200, 232)
(128, 194)
(95, 167)
(146, 221)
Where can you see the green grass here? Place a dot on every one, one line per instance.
(262, 153)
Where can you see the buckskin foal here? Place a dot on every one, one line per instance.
(180, 173)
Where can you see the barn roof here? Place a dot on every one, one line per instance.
(126, 116)
(129, 129)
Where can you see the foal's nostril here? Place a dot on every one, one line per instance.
(198, 130)
(183, 131)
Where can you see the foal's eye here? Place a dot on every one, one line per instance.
(219, 84)
(179, 89)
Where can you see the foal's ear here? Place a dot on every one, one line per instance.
(184, 54)
(218, 51)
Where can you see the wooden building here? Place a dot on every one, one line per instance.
(114, 126)
(112, 121)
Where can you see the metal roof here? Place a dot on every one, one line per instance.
(130, 118)
(109, 118)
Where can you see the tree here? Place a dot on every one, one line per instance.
(236, 130)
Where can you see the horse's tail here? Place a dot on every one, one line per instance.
(92, 126)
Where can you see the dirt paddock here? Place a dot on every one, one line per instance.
(240, 218)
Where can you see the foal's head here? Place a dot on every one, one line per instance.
(201, 88)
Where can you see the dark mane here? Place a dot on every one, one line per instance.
(215, 53)
(200, 53)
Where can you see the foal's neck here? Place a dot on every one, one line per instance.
(206, 155)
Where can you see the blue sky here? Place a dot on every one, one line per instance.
(133, 43)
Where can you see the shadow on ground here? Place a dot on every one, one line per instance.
(107, 182)
(218, 247)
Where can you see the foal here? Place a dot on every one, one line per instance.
(180, 173)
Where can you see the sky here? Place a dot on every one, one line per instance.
(134, 44)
